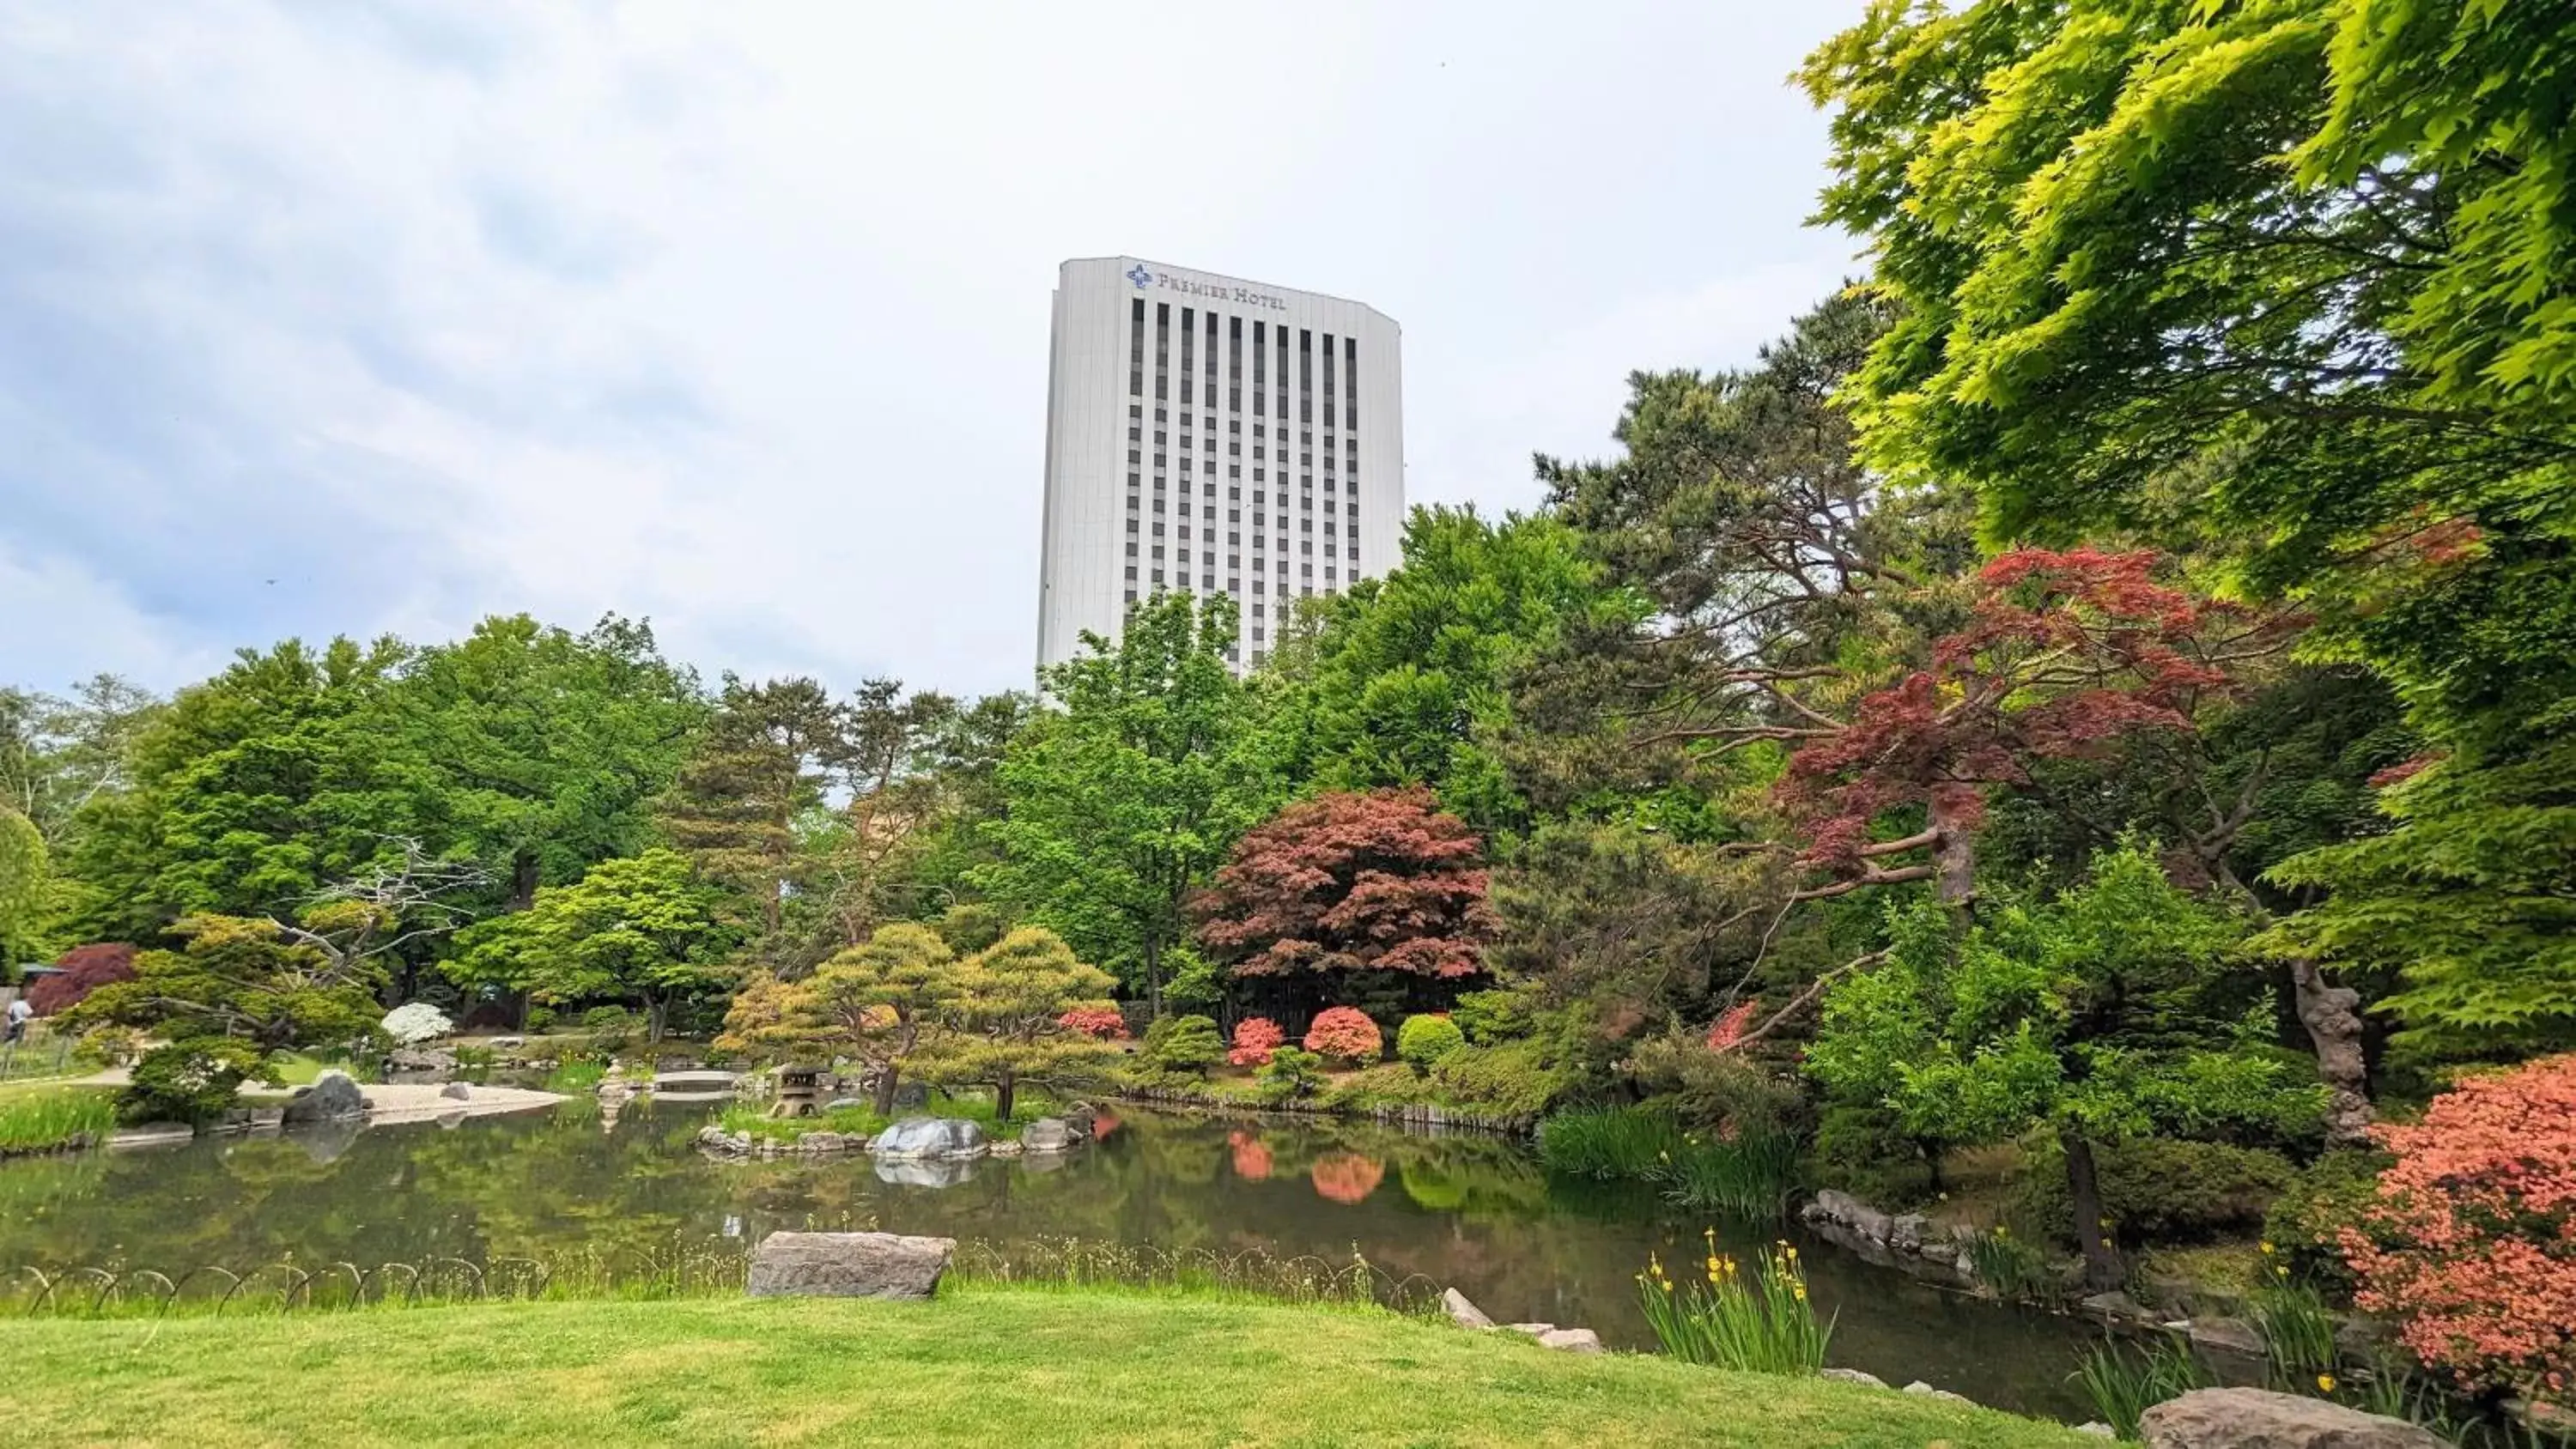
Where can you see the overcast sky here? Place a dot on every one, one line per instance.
(340, 317)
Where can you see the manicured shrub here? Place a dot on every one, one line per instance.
(1291, 1073)
(1515, 1079)
(1346, 1177)
(2305, 1227)
(1346, 1034)
(2467, 1243)
(187, 1081)
(539, 1019)
(1423, 1040)
(1255, 1038)
(1101, 1023)
(1490, 1017)
(2162, 1190)
(1184, 1044)
(82, 970)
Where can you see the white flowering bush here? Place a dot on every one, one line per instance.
(416, 1022)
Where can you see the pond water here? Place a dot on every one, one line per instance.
(1469, 1211)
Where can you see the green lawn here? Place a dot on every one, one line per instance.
(985, 1365)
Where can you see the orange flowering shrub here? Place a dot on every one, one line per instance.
(1255, 1038)
(1347, 1033)
(1251, 1156)
(1347, 1177)
(2471, 1242)
(1099, 1021)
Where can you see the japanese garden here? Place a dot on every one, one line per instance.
(2002, 871)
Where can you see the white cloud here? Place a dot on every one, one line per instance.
(737, 318)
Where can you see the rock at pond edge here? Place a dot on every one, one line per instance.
(2261, 1419)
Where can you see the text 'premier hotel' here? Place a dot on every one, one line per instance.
(1212, 435)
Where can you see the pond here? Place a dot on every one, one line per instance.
(1470, 1211)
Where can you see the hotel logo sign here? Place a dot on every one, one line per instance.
(1149, 280)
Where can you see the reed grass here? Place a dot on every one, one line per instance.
(48, 1120)
(1610, 1142)
(2298, 1330)
(1752, 1179)
(2015, 1268)
(2124, 1383)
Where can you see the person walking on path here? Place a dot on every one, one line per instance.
(19, 1012)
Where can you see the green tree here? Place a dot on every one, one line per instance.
(1004, 1016)
(2102, 1014)
(25, 890)
(760, 769)
(644, 929)
(57, 755)
(248, 794)
(537, 751)
(1120, 803)
(1405, 679)
(2283, 285)
(879, 1001)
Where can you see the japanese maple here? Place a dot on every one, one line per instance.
(1105, 1023)
(2062, 654)
(1382, 881)
(82, 970)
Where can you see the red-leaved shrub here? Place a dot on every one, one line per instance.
(1346, 1177)
(1102, 1022)
(1255, 1038)
(84, 970)
(1729, 1029)
(1345, 1032)
(2471, 1243)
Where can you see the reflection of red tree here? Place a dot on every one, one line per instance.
(1102, 1124)
(1251, 1159)
(1347, 1177)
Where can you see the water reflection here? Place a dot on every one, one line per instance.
(1471, 1211)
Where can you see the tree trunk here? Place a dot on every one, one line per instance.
(887, 1075)
(1154, 978)
(523, 880)
(1002, 1092)
(657, 1012)
(2102, 1271)
(1954, 849)
(2332, 1016)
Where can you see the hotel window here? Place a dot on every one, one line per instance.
(1162, 353)
(1328, 379)
(1351, 385)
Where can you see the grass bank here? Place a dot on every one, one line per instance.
(55, 1119)
(984, 1365)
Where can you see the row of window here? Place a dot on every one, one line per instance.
(1201, 361)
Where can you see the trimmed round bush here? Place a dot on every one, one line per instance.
(1347, 1034)
(1184, 1044)
(415, 1022)
(1102, 1023)
(1424, 1040)
(1255, 1038)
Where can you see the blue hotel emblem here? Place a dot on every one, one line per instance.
(1140, 276)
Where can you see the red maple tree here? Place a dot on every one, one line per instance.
(1381, 881)
(80, 971)
(1345, 1033)
(2062, 654)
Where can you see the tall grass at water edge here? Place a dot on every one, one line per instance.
(1749, 1178)
(2298, 1330)
(2124, 1383)
(2015, 1268)
(1754, 1318)
(43, 1120)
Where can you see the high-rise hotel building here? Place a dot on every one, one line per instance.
(1209, 435)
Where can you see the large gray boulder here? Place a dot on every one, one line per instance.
(849, 1265)
(2261, 1419)
(930, 1138)
(333, 1097)
(1048, 1134)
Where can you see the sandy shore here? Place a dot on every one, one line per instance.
(421, 1102)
